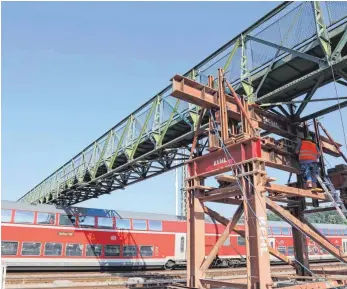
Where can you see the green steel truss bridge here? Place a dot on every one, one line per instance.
(289, 53)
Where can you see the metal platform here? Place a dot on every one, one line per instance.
(290, 52)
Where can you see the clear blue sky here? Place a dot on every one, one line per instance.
(72, 70)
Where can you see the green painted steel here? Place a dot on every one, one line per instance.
(246, 80)
(151, 139)
(321, 29)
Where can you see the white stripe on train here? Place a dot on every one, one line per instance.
(109, 230)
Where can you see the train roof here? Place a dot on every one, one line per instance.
(121, 214)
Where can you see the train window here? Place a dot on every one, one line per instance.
(6, 216)
(325, 232)
(155, 225)
(276, 230)
(53, 249)
(285, 231)
(139, 225)
(227, 242)
(105, 223)
(31, 248)
(269, 231)
(331, 232)
(123, 224)
(67, 220)
(9, 248)
(129, 251)
(282, 249)
(345, 232)
(86, 221)
(241, 241)
(291, 251)
(73, 250)
(45, 218)
(112, 250)
(93, 250)
(24, 217)
(146, 251)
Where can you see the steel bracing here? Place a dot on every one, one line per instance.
(292, 51)
(238, 157)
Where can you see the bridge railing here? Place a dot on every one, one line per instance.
(290, 25)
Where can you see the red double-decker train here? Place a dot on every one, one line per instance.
(48, 237)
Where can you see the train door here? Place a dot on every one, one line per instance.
(344, 245)
(272, 242)
(180, 246)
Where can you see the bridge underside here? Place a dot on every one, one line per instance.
(158, 136)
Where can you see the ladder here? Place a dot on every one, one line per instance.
(333, 195)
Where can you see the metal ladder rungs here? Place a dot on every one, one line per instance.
(333, 196)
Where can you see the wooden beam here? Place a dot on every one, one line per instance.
(214, 283)
(224, 190)
(320, 285)
(240, 231)
(200, 187)
(295, 191)
(227, 178)
(224, 221)
(228, 201)
(280, 256)
(227, 231)
(217, 197)
(305, 228)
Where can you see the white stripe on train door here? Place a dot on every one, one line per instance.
(344, 245)
(180, 246)
(272, 242)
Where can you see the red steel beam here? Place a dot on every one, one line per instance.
(195, 229)
(333, 142)
(216, 162)
(239, 104)
(201, 95)
(204, 96)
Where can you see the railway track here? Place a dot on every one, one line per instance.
(144, 279)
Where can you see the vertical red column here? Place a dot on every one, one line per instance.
(258, 256)
(195, 232)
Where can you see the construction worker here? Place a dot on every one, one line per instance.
(308, 153)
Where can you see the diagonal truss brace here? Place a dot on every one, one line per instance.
(288, 50)
(321, 29)
(342, 43)
(224, 221)
(308, 97)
